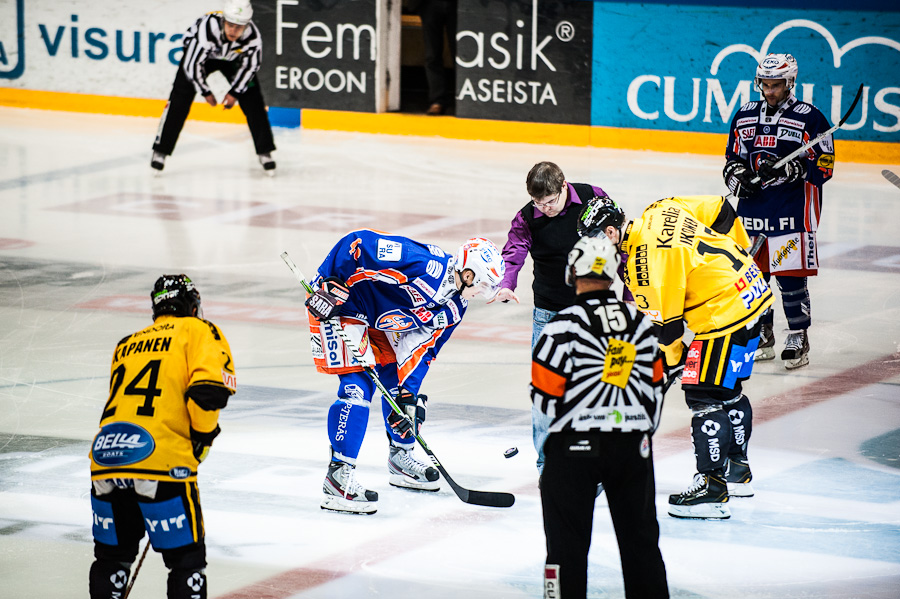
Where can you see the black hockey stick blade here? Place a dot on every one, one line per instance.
(891, 176)
(485, 498)
(846, 116)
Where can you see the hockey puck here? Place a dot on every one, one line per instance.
(510, 452)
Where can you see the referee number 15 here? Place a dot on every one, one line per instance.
(612, 318)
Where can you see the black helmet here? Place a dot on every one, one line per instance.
(175, 295)
(599, 213)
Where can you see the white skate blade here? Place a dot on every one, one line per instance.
(270, 173)
(740, 490)
(339, 504)
(405, 482)
(799, 362)
(712, 511)
(764, 354)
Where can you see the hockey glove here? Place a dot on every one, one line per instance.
(327, 300)
(201, 442)
(793, 170)
(739, 180)
(414, 407)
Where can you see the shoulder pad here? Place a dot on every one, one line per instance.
(750, 105)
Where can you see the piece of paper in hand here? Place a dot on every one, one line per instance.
(218, 85)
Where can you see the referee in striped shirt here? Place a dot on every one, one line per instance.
(597, 373)
(226, 41)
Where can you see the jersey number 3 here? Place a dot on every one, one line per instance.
(149, 392)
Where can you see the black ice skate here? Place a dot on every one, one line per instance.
(409, 473)
(766, 349)
(344, 494)
(706, 498)
(158, 161)
(738, 477)
(796, 350)
(267, 163)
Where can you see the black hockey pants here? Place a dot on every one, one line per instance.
(568, 489)
(179, 106)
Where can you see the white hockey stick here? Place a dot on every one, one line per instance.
(486, 498)
(819, 137)
(892, 177)
(815, 140)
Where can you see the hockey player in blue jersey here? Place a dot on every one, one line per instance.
(400, 301)
(786, 204)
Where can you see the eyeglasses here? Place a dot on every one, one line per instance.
(548, 202)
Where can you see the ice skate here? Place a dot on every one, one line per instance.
(267, 163)
(766, 349)
(409, 473)
(705, 498)
(158, 161)
(796, 350)
(344, 494)
(738, 477)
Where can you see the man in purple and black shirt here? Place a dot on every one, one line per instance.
(547, 228)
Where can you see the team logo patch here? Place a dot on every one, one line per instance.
(618, 363)
(395, 320)
(122, 443)
(389, 251)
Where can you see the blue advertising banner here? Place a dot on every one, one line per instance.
(689, 68)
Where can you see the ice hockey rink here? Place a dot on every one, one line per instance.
(86, 229)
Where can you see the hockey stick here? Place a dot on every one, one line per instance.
(757, 245)
(892, 177)
(485, 498)
(136, 570)
(819, 137)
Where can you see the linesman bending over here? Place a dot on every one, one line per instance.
(229, 42)
(597, 373)
(167, 385)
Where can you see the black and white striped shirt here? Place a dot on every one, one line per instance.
(206, 40)
(597, 366)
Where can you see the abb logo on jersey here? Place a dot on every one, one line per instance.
(766, 141)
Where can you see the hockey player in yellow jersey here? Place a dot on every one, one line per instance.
(168, 383)
(687, 267)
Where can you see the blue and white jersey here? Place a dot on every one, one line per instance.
(781, 208)
(396, 284)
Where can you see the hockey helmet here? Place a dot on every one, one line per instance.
(592, 256)
(175, 295)
(238, 12)
(482, 257)
(778, 66)
(599, 213)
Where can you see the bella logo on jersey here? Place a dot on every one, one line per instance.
(395, 320)
(122, 443)
(389, 251)
(618, 363)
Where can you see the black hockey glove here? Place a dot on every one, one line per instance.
(793, 170)
(414, 408)
(327, 300)
(201, 442)
(739, 180)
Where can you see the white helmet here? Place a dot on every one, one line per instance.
(778, 66)
(595, 257)
(482, 257)
(238, 12)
